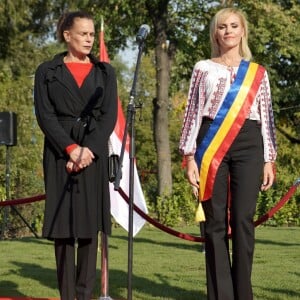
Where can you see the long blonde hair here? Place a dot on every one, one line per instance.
(222, 14)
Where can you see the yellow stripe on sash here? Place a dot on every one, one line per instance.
(226, 125)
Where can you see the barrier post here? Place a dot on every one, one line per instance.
(7, 192)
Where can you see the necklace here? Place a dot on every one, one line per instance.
(233, 64)
(230, 68)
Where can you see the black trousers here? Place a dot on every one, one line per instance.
(76, 281)
(229, 278)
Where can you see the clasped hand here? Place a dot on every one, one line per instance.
(80, 158)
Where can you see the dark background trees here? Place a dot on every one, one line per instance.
(178, 38)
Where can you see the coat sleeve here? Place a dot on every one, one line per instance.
(105, 124)
(46, 114)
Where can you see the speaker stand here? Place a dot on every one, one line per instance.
(7, 189)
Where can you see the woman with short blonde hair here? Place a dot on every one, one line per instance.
(229, 144)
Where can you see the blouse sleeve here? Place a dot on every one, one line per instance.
(193, 113)
(267, 120)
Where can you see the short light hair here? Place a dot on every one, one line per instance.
(222, 14)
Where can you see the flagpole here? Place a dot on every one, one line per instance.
(104, 268)
(104, 237)
(140, 38)
(131, 109)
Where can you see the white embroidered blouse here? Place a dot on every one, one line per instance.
(209, 85)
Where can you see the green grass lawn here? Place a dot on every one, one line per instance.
(164, 266)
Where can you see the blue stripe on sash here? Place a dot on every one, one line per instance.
(229, 99)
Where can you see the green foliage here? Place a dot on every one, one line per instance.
(23, 28)
(287, 173)
(180, 207)
(24, 159)
(287, 166)
(275, 44)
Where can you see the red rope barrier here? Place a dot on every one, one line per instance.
(169, 230)
(279, 205)
(193, 238)
(23, 200)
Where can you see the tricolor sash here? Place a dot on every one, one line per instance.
(227, 124)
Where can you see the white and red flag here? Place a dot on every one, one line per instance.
(119, 206)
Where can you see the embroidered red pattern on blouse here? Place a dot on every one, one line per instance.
(217, 96)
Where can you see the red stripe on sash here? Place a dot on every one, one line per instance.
(231, 134)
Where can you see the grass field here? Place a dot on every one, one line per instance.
(164, 267)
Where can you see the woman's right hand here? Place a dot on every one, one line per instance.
(82, 157)
(192, 174)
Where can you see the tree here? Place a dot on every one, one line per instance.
(170, 21)
(163, 60)
(275, 44)
(24, 28)
(180, 38)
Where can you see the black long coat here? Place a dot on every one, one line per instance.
(77, 205)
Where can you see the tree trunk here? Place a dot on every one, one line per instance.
(160, 115)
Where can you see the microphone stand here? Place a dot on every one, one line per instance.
(131, 109)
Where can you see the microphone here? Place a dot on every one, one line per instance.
(142, 33)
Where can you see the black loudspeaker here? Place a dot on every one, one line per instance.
(8, 128)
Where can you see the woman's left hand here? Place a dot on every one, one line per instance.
(72, 167)
(268, 176)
